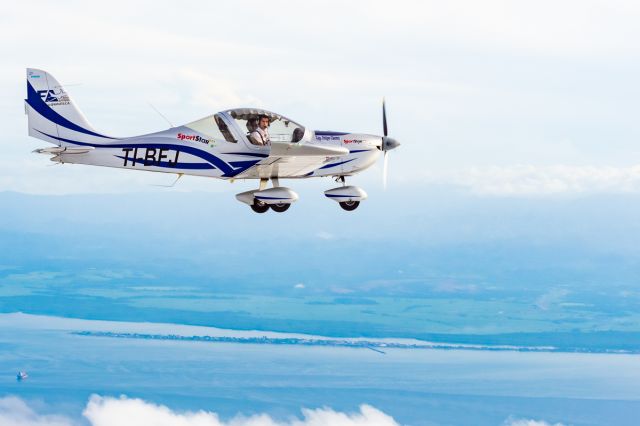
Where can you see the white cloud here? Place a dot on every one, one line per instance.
(550, 298)
(299, 285)
(212, 92)
(123, 411)
(15, 412)
(324, 235)
(106, 411)
(529, 422)
(524, 180)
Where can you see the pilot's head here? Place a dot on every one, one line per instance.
(263, 122)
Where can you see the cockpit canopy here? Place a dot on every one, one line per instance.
(234, 124)
(281, 129)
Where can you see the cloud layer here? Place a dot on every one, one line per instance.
(123, 411)
(529, 422)
(526, 180)
(15, 412)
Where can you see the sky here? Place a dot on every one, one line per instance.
(497, 98)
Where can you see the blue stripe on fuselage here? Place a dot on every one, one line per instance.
(248, 154)
(228, 170)
(328, 166)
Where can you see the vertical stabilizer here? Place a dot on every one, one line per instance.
(53, 116)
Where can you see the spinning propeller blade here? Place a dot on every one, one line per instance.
(387, 144)
(384, 118)
(385, 168)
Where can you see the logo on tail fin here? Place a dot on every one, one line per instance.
(54, 97)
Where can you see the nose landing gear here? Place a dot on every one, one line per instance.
(348, 197)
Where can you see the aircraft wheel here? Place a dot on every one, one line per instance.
(280, 207)
(349, 205)
(259, 206)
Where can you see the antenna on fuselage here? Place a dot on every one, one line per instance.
(161, 115)
(174, 182)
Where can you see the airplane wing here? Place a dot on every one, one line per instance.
(292, 160)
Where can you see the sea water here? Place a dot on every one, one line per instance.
(415, 386)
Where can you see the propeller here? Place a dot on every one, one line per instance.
(387, 144)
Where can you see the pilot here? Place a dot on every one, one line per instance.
(260, 136)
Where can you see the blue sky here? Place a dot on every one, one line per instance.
(498, 98)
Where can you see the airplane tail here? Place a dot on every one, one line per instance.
(53, 116)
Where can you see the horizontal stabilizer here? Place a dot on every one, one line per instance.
(57, 150)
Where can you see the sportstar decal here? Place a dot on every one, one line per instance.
(347, 141)
(196, 138)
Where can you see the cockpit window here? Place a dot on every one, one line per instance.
(214, 127)
(281, 129)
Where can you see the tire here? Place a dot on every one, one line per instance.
(259, 206)
(281, 207)
(349, 205)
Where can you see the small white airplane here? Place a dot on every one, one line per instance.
(223, 145)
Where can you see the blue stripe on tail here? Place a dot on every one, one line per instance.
(35, 101)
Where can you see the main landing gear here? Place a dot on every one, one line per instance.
(262, 207)
(278, 198)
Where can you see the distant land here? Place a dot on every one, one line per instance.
(452, 269)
